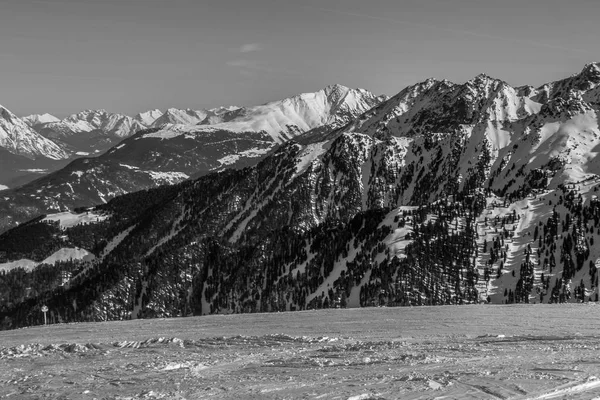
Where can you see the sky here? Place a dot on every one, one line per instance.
(128, 56)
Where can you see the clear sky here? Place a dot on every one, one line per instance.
(62, 56)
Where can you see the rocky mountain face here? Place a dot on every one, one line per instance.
(443, 194)
(19, 139)
(173, 152)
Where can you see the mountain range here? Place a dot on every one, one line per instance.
(442, 194)
(178, 144)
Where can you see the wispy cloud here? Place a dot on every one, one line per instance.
(250, 47)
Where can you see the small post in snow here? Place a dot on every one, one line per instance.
(45, 310)
(597, 265)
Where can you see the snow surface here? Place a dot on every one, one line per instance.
(3, 187)
(446, 352)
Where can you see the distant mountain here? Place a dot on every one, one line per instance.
(147, 118)
(90, 131)
(39, 119)
(443, 194)
(175, 152)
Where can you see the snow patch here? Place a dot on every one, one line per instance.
(167, 177)
(306, 157)
(69, 219)
(128, 166)
(24, 263)
(251, 153)
(64, 254)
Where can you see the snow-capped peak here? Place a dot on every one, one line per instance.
(37, 119)
(178, 116)
(147, 118)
